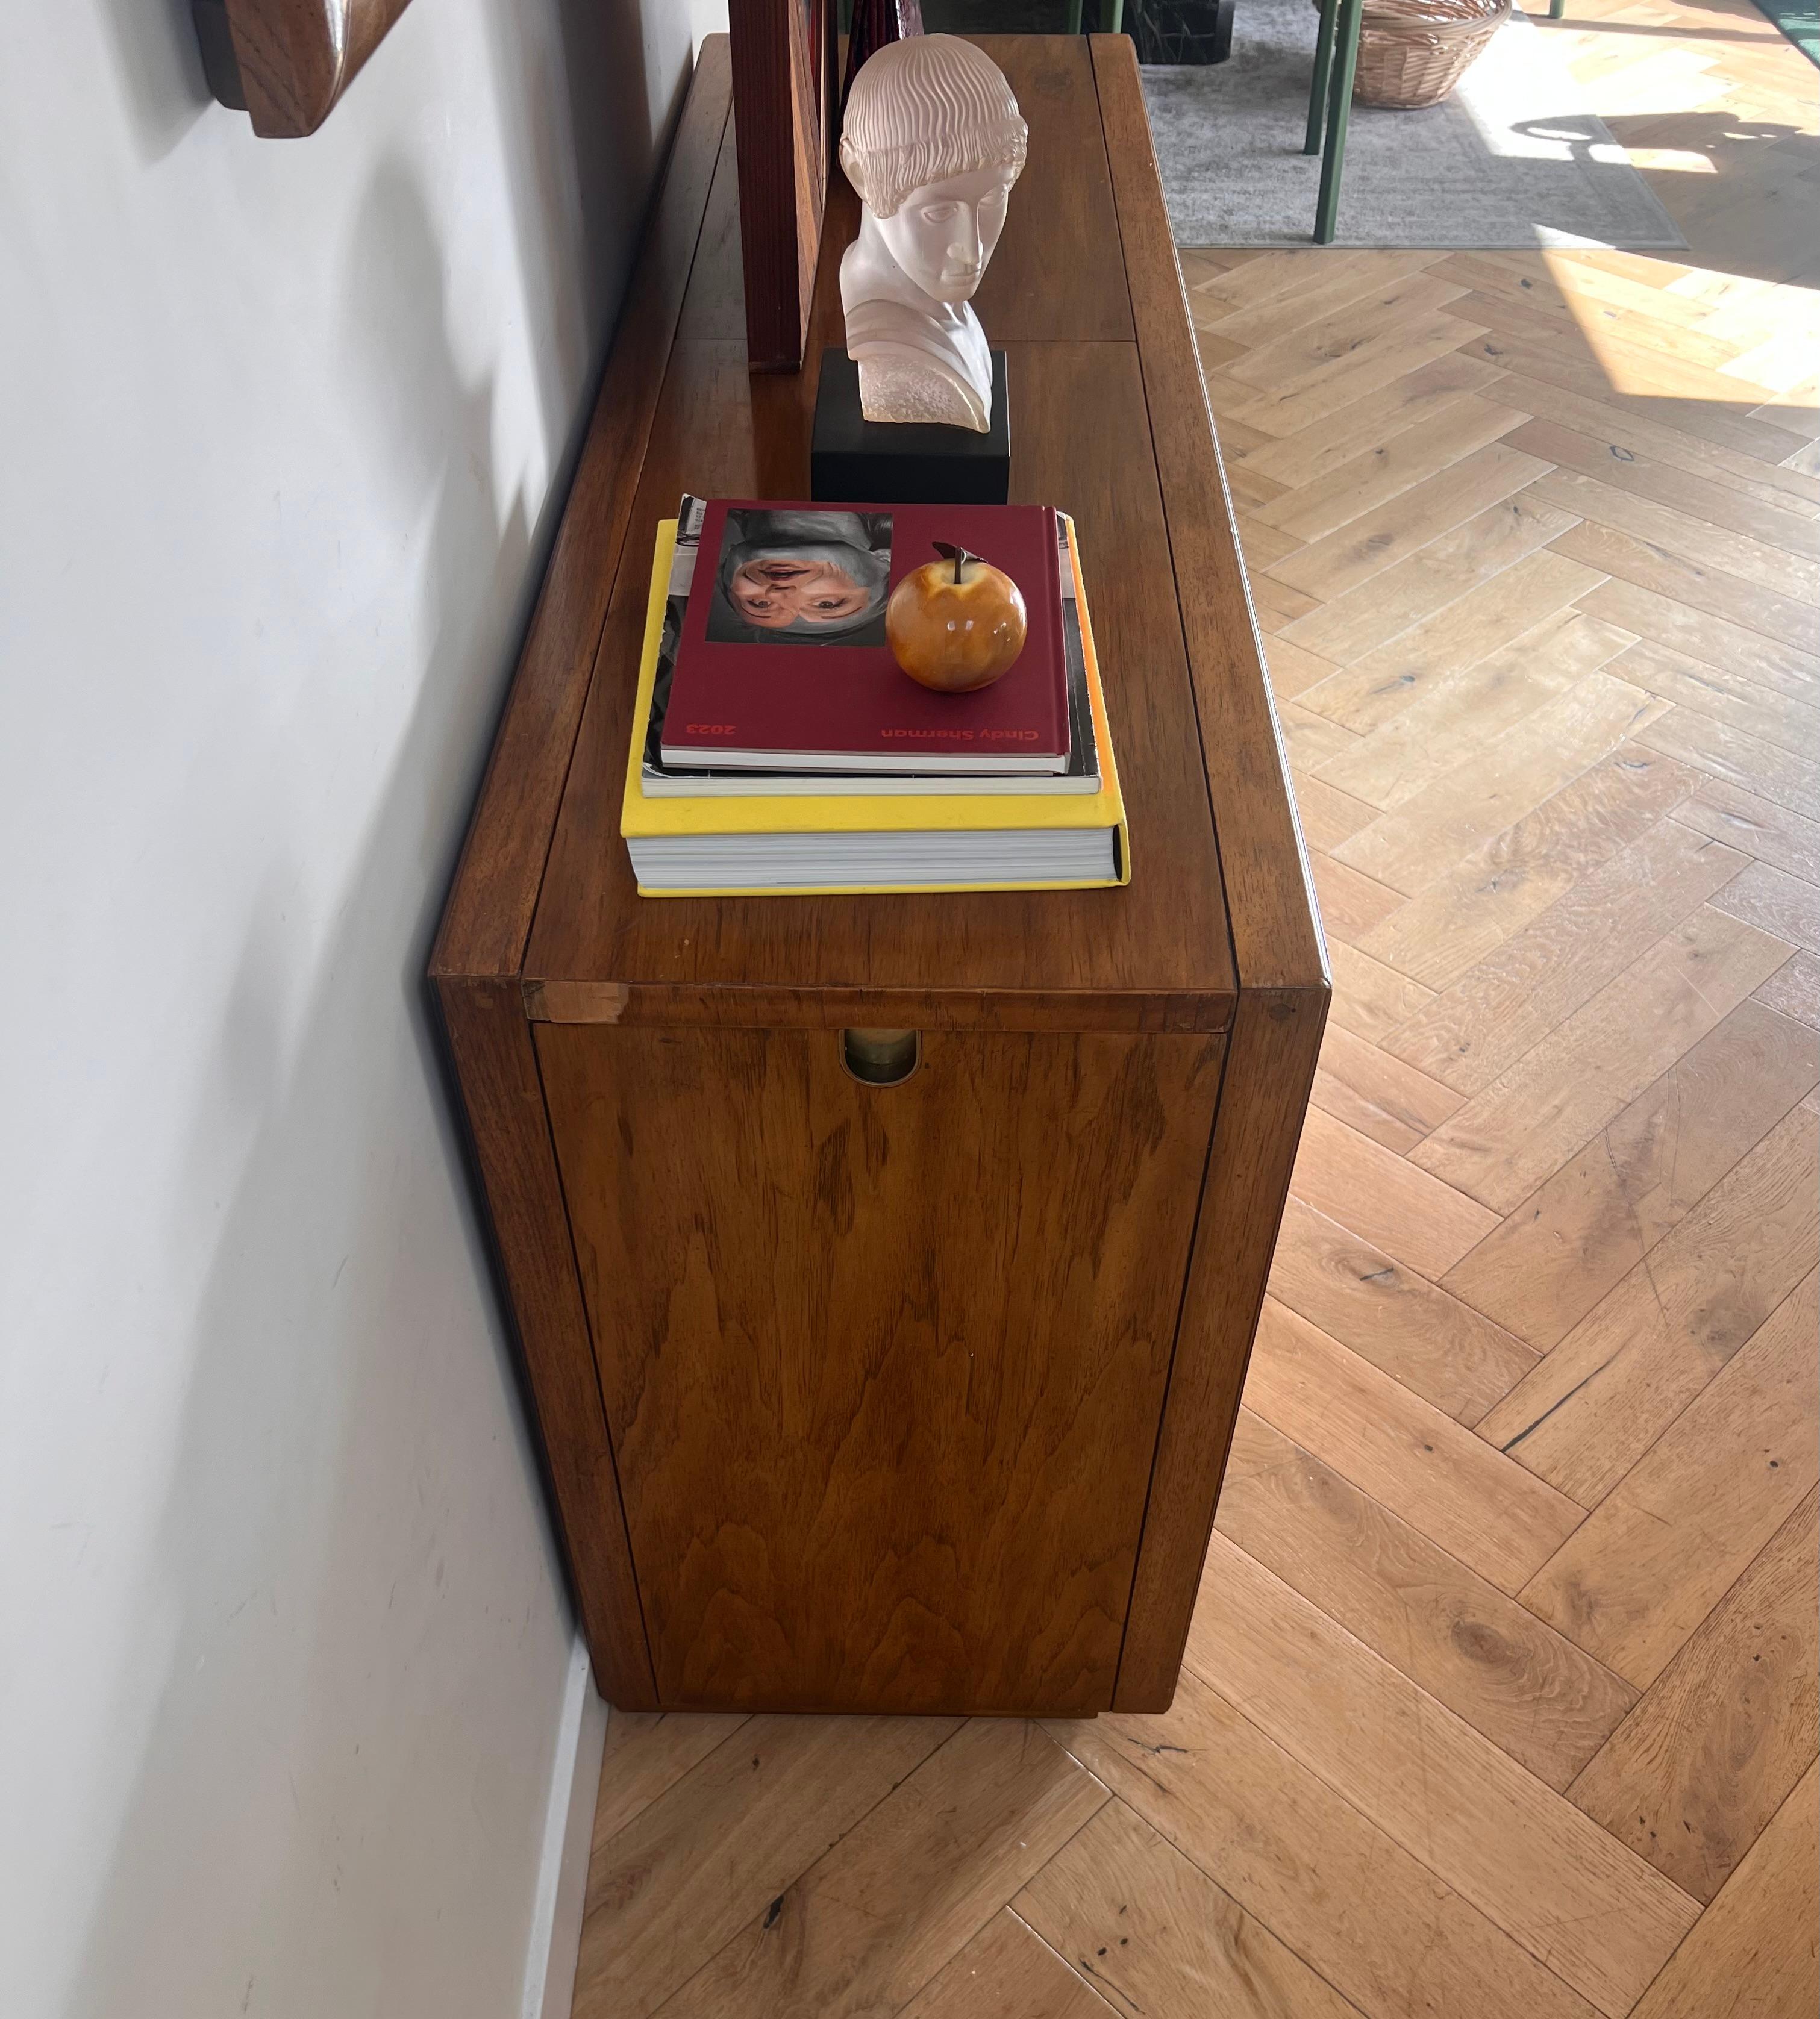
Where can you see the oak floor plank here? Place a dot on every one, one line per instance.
(1495, 1012)
(1587, 1907)
(1690, 1777)
(1478, 1504)
(868, 1924)
(1712, 590)
(1501, 1145)
(1658, 613)
(1667, 529)
(1352, 902)
(1376, 416)
(1590, 1408)
(1582, 1230)
(1369, 998)
(1770, 833)
(647, 1753)
(1342, 492)
(1755, 1953)
(1436, 1346)
(1706, 744)
(1302, 354)
(1732, 698)
(1130, 1912)
(1496, 889)
(1275, 302)
(1774, 902)
(1273, 410)
(1471, 705)
(1327, 815)
(667, 1891)
(1365, 545)
(1378, 687)
(1662, 1548)
(1373, 1921)
(1378, 1095)
(1645, 434)
(1409, 846)
(1737, 511)
(1007, 1972)
(1424, 1222)
(1292, 668)
(1427, 580)
(1491, 1661)
(1794, 991)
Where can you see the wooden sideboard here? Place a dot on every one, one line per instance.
(913, 1398)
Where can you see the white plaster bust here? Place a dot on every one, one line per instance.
(932, 139)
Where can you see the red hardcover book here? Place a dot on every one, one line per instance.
(783, 665)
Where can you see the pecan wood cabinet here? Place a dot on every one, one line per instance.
(910, 1398)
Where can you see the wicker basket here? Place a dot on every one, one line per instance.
(1412, 52)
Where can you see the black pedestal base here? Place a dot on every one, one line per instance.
(853, 460)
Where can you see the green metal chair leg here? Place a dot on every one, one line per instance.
(1115, 17)
(1339, 110)
(1557, 8)
(1318, 89)
(1073, 17)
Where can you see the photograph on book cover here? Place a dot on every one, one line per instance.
(801, 578)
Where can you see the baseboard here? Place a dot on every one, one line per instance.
(568, 1831)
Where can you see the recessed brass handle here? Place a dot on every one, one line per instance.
(881, 1058)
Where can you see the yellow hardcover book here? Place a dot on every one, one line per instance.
(645, 816)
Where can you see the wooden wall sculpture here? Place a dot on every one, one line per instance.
(784, 121)
(287, 62)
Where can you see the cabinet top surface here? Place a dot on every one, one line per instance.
(1089, 309)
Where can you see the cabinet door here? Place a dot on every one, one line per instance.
(882, 1366)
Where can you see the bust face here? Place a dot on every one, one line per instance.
(942, 235)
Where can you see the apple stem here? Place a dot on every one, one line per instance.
(958, 554)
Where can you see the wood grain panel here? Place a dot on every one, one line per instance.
(884, 1367)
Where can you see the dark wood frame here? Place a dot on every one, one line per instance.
(287, 62)
(492, 992)
(785, 85)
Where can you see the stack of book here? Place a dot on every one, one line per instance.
(777, 747)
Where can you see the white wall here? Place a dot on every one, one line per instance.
(282, 1642)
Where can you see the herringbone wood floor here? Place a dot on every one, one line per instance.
(1501, 1699)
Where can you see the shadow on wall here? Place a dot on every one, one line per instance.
(303, 1595)
(161, 70)
(350, 1404)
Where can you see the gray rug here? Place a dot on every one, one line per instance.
(1513, 159)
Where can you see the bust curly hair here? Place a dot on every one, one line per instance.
(922, 109)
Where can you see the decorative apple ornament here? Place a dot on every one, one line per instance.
(956, 623)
